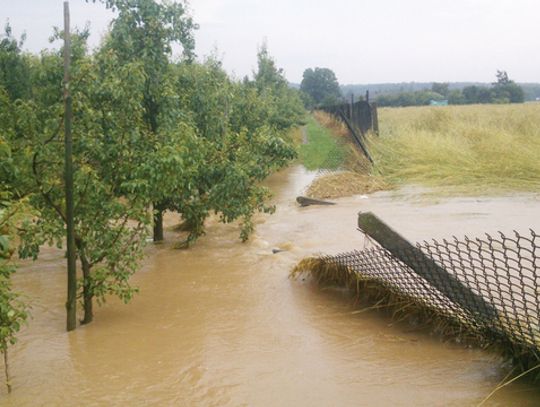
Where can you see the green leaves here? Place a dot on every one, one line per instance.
(236, 141)
(13, 311)
(321, 85)
(148, 135)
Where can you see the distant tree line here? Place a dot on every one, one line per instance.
(319, 87)
(531, 90)
(503, 90)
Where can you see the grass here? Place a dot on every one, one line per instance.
(474, 148)
(329, 147)
(322, 151)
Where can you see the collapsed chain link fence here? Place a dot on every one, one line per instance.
(502, 270)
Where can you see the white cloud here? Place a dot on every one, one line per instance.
(362, 41)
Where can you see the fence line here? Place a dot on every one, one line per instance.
(359, 117)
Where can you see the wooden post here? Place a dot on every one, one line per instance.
(351, 118)
(425, 267)
(71, 303)
(374, 118)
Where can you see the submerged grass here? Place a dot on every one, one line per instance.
(375, 294)
(468, 148)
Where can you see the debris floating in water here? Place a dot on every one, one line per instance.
(304, 201)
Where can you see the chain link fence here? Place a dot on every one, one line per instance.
(501, 271)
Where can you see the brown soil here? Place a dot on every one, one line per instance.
(346, 183)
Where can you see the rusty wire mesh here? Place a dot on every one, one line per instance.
(502, 270)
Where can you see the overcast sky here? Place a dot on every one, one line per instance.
(361, 41)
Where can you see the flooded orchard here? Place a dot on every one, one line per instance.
(221, 324)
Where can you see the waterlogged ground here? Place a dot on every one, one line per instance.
(222, 325)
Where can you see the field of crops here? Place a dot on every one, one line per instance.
(469, 149)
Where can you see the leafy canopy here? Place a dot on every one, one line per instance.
(321, 85)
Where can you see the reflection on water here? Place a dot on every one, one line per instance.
(222, 325)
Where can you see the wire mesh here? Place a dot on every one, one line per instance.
(502, 270)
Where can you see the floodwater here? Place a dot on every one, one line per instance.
(222, 325)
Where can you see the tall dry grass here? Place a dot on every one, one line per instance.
(474, 148)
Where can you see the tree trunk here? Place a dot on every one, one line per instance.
(6, 368)
(158, 223)
(87, 293)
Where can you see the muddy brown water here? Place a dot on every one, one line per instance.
(222, 325)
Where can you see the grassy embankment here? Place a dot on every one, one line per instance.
(466, 149)
(322, 150)
(329, 147)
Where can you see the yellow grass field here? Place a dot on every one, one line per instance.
(474, 148)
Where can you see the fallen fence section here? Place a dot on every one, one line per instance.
(488, 286)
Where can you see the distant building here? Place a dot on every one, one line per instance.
(438, 102)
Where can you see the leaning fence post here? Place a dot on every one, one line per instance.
(351, 109)
(374, 118)
(427, 268)
(355, 136)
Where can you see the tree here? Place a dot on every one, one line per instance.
(144, 32)
(477, 94)
(13, 311)
(502, 78)
(506, 90)
(440, 88)
(455, 97)
(14, 84)
(111, 214)
(321, 85)
(268, 76)
(193, 141)
(240, 128)
(417, 98)
(283, 104)
(14, 69)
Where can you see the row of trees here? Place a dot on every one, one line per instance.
(320, 87)
(149, 135)
(503, 90)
